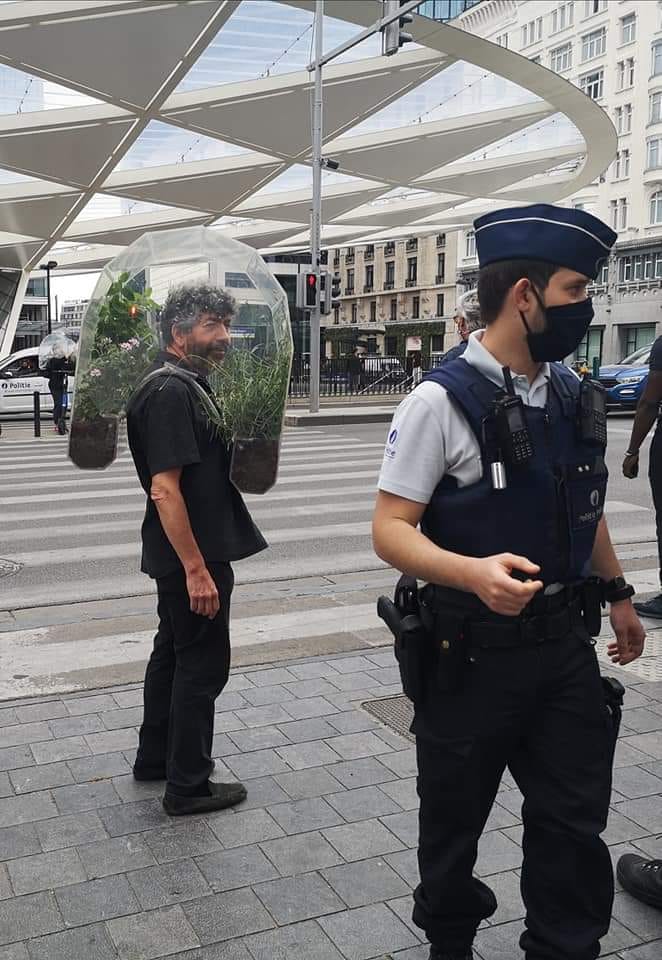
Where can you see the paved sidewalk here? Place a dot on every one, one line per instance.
(318, 864)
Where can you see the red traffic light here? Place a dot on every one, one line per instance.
(311, 289)
(133, 310)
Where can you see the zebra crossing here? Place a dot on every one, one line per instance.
(73, 602)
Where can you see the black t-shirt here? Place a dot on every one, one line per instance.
(167, 428)
(656, 355)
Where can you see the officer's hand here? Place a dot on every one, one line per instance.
(630, 634)
(202, 593)
(631, 466)
(498, 589)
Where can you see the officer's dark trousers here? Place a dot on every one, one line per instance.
(57, 394)
(655, 477)
(187, 670)
(539, 711)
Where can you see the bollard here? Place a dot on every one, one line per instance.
(596, 368)
(36, 403)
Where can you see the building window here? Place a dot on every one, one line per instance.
(563, 17)
(390, 346)
(369, 275)
(502, 40)
(415, 308)
(371, 345)
(590, 348)
(561, 58)
(638, 337)
(629, 28)
(613, 214)
(336, 314)
(441, 267)
(470, 244)
(619, 213)
(594, 44)
(355, 312)
(594, 6)
(655, 207)
(657, 58)
(625, 74)
(412, 269)
(440, 304)
(373, 311)
(532, 31)
(390, 271)
(655, 107)
(394, 309)
(350, 280)
(622, 165)
(592, 84)
(623, 118)
(654, 153)
(436, 343)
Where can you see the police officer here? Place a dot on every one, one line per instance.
(509, 495)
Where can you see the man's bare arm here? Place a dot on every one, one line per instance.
(645, 417)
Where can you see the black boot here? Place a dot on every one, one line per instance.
(641, 878)
(650, 608)
(221, 795)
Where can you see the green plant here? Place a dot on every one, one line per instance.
(251, 391)
(122, 315)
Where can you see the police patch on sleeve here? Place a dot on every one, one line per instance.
(390, 450)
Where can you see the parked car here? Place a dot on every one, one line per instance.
(20, 378)
(625, 381)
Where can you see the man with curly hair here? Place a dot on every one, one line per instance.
(195, 525)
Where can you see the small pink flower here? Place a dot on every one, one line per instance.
(95, 372)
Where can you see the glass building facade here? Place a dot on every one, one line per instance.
(445, 9)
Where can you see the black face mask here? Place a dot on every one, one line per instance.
(565, 328)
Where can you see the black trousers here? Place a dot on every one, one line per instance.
(187, 670)
(655, 477)
(540, 711)
(57, 394)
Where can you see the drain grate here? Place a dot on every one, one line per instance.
(395, 712)
(8, 568)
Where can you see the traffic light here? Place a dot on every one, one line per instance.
(133, 311)
(335, 288)
(306, 291)
(393, 37)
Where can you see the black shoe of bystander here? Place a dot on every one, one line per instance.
(650, 608)
(641, 878)
(221, 795)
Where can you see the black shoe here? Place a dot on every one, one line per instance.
(157, 773)
(437, 954)
(641, 877)
(650, 608)
(221, 795)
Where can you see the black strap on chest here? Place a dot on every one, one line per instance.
(191, 380)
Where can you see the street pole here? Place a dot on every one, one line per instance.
(48, 295)
(316, 212)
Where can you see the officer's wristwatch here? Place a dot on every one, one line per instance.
(617, 589)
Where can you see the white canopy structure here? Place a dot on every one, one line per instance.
(139, 74)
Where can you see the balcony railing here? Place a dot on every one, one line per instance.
(349, 257)
(441, 240)
(389, 284)
(411, 283)
(411, 245)
(389, 249)
(336, 262)
(368, 287)
(349, 291)
(440, 278)
(369, 253)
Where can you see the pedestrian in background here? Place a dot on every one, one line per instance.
(467, 319)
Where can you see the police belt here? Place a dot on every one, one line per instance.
(545, 618)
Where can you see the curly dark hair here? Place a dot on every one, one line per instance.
(185, 303)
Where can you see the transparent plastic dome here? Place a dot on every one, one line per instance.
(120, 338)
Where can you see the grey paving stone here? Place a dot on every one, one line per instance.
(185, 838)
(512, 800)
(638, 917)
(354, 746)
(18, 841)
(308, 708)
(130, 790)
(621, 828)
(302, 756)
(301, 853)
(506, 887)
(358, 841)
(118, 719)
(150, 935)
(647, 743)
(259, 763)
(6, 788)
(33, 806)
(85, 796)
(652, 689)
(497, 853)
(262, 716)
(68, 748)
(223, 722)
(299, 941)
(403, 763)
(83, 943)
(292, 899)
(237, 681)
(24, 733)
(231, 950)
(245, 827)
(367, 932)
(362, 773)
(223, 746)
(76, 726)
(129, 698)
(112, 740)
(384, 659)
(168, 883)
(499, 818)
(651, 846)
(386, 675)
(303, 816)
(45, 871)
(260, 738)
(627, 755)
(413, 953)
(101, 767)
(96, 900)
(77, 706)
(241, 867)
(30, 779)
(368, 881)
(354, 681)
(266, 678)
(312, 670)
(133, 817)
(402, 908)
(633, 782)
(351, 664)
(30, 713)
(648, 951)
(362, 803)
(647, 812)
(391, 739)
(642, 720)
(14, 951)
(117, 855)
(223, 916)
(618, 938)
(5, 886)
(304, 689)
(403, 792)
(262, 792)
(9, 717)
(30, 916)
(353, 721)
(304, 784)
(260, 696)
(299, 731)
(404, 825)
(500, 942)
(230, 701)
(12, 757)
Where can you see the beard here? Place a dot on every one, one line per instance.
(203, 356)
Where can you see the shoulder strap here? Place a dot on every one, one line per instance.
(472, 392)
(191, 381)
(565, 385)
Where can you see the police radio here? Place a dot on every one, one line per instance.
(592, 412)
(509, 435)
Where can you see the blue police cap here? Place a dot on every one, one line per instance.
(567, 237)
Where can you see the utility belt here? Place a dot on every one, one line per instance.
(436, 629)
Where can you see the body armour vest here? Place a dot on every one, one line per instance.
(552, 504)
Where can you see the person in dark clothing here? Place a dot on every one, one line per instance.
(355, 370)
(467, 319)
(56, 370)
(195, 525)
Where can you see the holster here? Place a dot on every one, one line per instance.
(592, 601)
(447, 627)
(614, 691)
(411, 641)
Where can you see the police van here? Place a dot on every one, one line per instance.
(20, 379)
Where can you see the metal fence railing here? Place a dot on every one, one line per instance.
(358, 376)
